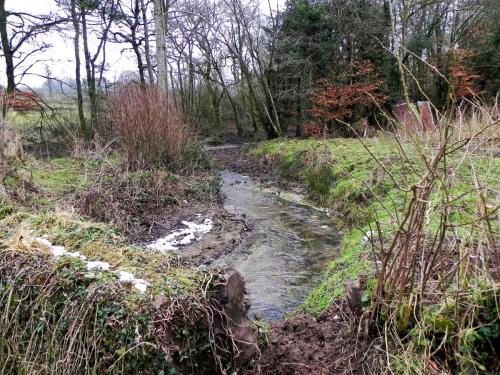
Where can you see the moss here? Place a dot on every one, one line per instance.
(351, 264)
(12, 181)
(6, 210)
(63, 175)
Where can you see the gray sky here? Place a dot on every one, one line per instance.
(61, 55)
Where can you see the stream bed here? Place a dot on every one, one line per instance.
(287, 252)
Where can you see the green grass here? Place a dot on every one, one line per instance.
(64, 174)
(341, 174)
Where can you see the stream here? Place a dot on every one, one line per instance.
(285, 256)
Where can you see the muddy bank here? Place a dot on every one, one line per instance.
(262, 169)
(327, 344)
(227, 231)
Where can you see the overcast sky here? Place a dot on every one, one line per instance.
(60, 57)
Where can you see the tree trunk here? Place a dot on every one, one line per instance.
(161, 48)
(8, 54)
(147, 50)
(81, 116)
(91, 87)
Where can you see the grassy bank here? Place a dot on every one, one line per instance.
(362, 182)
(421, 232)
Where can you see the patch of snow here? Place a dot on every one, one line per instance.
(57, 251)
(44, 241)
(127, 277)
(76, 254)
(105, 266)
(191, 233)
(367, 237)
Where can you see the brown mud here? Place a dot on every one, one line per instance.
(227, 232)
(327, 344)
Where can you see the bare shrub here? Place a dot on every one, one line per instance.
(438, 260)
(149, 129)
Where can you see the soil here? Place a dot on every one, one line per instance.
(324, 345)
(227, 232)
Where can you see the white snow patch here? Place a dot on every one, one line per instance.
(140, 284)
(57, 251)
(76, 254)
(96, 265)
(367, 237)
(44, 241)
(191, 233)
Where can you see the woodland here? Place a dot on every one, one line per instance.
(250, 187)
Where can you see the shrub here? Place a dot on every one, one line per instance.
(149, 129)
(338, 97)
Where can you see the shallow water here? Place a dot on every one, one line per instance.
(290, 246)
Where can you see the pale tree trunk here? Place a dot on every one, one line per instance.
(91, 86)
(147, 50)
(161, 48)
(76, 26)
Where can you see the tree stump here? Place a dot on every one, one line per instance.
(11, 149)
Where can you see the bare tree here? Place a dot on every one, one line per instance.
(131, 28)
(147, 49)
(17, 30)
(75, 16)
(101, 22)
